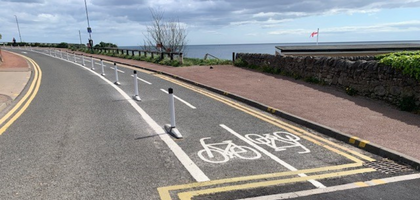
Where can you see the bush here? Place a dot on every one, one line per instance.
(407, 62)
(407, 103)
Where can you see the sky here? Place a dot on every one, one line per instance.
(124, 22)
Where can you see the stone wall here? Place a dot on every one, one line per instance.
(363, 75)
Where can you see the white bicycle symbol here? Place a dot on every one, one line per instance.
(213, 154)
(272, 141)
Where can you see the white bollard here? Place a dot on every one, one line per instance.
(55, 53)
(50, 52)
(136, 87)
(102, 66)
(61, 54)
(117, 82)
(67, 54)
(91, 60)
(83, 60)
(74, 57)
(171, 128)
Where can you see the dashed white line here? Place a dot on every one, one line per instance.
(181, 100)
(142, 80)
(119, 70)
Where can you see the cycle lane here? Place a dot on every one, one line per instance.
(216, 119)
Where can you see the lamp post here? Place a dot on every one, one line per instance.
(89, 29)
(17, 23)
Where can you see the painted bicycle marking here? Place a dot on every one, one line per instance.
(223, 151)
(279, 141)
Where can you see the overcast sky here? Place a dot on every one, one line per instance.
(213, 21)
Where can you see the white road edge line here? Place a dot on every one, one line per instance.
(142, 80)
(275, 158)
(333, 188)
(181, 100)
(191, 167)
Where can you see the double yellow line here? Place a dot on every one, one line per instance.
(7, 120)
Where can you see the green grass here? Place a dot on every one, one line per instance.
(165, 61)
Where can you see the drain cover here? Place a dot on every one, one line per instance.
(388, 166)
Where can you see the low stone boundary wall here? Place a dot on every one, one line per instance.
(362, 75)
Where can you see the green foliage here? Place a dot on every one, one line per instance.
(240, 63)
(408, 62)
(351, 91)
(63, 45)
(105, 45)
(312, 79)
(407, 103)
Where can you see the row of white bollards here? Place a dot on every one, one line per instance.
(170, 128)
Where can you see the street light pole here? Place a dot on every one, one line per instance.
(17, 22)
(89, 29)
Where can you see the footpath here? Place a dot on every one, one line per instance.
(372, 125)
(14, 75)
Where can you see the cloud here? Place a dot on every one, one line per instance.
(63, 19)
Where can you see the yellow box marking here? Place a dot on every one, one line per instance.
(274, 121)
(190, 194)
(352, 140)
(164, 191)
(362, 143)
(361, 184)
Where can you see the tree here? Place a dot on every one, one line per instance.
(106, 45)
(168, 36)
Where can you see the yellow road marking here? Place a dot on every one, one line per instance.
(13, 110)
(361, 184)
(189, 195)
(37, 81)
(352, 140)
(378, 181)
(164, 191)
(363, 143)
(275, 122)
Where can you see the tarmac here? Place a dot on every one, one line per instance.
(368, 124)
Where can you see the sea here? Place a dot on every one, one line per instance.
(224, 51)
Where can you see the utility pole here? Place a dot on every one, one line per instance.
(80, 37)
(17, 23)
(89, 29)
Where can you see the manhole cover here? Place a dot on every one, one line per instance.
(388, 166)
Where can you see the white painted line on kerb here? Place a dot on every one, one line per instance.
(186, 161)
(181, 100)
(275, 158)
(335, 188)
(119, 70)
(142, 80)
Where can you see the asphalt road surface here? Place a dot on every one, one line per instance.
(83, 137)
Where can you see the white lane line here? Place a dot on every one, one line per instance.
(142, 80)
(335, 188)
(181, 100)
(186, 161)
(275, 158)
(118, 70)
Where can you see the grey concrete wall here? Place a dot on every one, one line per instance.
(362, 74)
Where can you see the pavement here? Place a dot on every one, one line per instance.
(369, 124)
(14, 75)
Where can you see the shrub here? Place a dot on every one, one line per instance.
(407, 62)
(407, 103)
